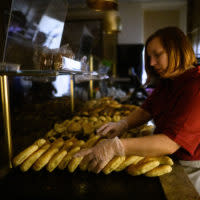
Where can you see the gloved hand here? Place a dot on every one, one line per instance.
(99, 155)
(113, 129)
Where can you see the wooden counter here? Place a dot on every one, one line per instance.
(177, 186)
(86, 186)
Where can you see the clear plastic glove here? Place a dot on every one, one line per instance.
(113, 129)
(99, 155)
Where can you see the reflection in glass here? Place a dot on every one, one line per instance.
(62, 85)
(52, 29)
(34, 36)
(34, 24)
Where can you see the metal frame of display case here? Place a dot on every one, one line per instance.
(91, 81)
(8, 69)
(6, 102)
(5, 93)
(6, 115)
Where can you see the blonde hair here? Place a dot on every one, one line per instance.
(178, 48)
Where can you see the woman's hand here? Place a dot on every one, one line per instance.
(99, 155)
(113, 129)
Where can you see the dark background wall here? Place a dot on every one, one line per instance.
(129, 56)
(4, 14)
(193, 24)
(193, 15)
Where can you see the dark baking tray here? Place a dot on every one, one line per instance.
(79, 185)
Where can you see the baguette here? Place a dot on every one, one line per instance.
(159, 171)
(57, 158)
(45, 158)
(79, 143)
(142, 167)
(33, 157)
(128, 161)
(91, 141)
(63, 164)
(22, 156)
(113, 164)
(164, 160)
(74, 163)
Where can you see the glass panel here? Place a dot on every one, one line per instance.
(33, 25)
(196, 43)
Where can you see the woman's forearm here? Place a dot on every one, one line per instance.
(137, 117)
(154, 145)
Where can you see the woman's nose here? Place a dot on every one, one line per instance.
(152, 61)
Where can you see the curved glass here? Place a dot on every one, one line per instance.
(35, 28)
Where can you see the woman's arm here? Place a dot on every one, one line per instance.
(154, 145)
(138, 117)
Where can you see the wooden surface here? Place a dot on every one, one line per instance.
(177, 186)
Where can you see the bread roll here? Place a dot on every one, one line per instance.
(128, 161)
(142, 168)
(44, 159)
(33, 157)
(22, 156)
(113, 164)
(57, 158)
(79, 143)
(165, 160)
(159, 171)
(63, 164)
(74, 163)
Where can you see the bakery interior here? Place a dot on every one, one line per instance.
(67, 67)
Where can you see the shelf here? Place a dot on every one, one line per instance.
(84, 76)
(37, 72)
(90, 77)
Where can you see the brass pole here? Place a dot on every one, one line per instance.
(114, 70)
(91, 81)
(102, 5)
(6, 115)
(72, 92)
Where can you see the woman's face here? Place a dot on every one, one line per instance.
(157, 56)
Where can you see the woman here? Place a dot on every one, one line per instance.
(174, 106)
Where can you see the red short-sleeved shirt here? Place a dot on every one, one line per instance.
(175, 108)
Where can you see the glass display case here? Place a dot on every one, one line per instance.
(52, 103)
(52, 96)
(37, 75)
(27, 74)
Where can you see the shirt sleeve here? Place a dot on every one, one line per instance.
(183, 124)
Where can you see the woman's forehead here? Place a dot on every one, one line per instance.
(154, 45)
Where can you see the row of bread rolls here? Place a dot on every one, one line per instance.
(92, 116)
(151, 166)
(59, 154)
(50, 154)
(105, 106)
(87, 126)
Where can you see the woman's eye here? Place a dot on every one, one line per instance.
(157, 55)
